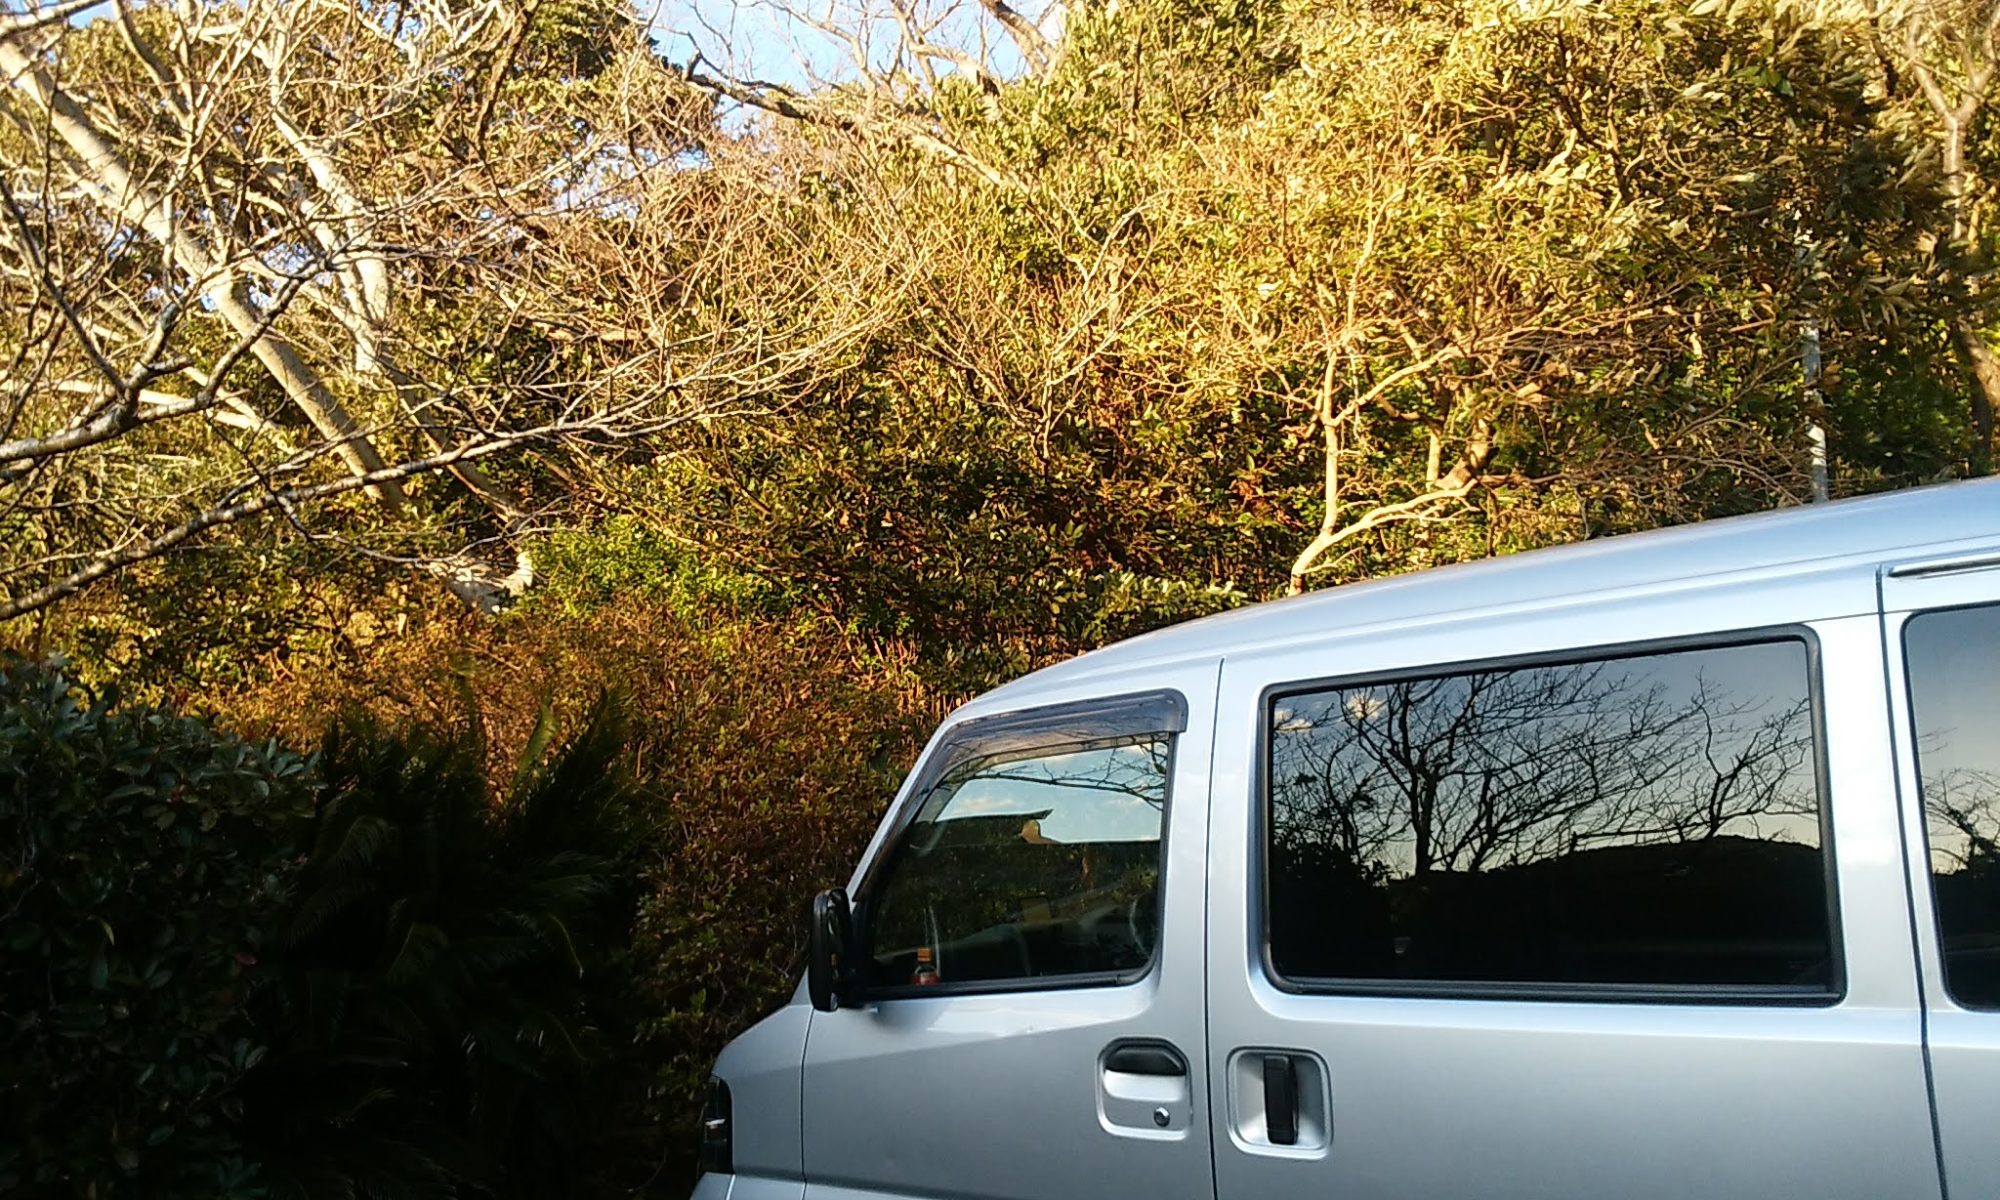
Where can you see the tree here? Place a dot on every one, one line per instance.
(1950, 52)
(1264, 297)
(395, 218)
(903, 72)
(1931, 67)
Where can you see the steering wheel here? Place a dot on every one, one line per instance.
(1142, 931)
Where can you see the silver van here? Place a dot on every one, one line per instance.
(1658, 866)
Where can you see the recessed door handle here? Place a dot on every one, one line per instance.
(1146, 1058)
(1281, 1099)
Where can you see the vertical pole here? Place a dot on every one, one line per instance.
(1815, 433)
(1809, 366)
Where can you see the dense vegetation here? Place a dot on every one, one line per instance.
(397, 383)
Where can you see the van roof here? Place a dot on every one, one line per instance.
(1894, 525)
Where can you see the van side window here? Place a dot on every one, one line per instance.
(1034, 863)
(1651, 821)
(1953, 660)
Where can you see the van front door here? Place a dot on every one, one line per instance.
(1540, 921)
(1030, 930)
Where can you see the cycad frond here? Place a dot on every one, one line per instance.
(445, 953)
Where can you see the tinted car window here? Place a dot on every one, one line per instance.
(1029, 864)
(1954, 670)
(1646, 820)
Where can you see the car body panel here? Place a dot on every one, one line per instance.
(1435, 1096)
(1005, 1095)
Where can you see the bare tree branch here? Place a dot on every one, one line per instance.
(286, 499)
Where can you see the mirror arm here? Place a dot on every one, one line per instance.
(849, 982)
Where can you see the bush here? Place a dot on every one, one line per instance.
(762, 755)
(229, 975)
(145, 860)
(455, 1002)
(443, 962)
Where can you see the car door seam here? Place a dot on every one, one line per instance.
(1208, 1048)
(1891, 646)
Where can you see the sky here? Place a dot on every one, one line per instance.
(762, 39)
(1951, 658)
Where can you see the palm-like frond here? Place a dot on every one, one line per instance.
(449, 958)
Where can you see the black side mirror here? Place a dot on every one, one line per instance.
(828, 975)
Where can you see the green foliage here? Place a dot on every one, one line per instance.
(228, 976)
(760, 753)
(189, 630)
(453, 1000)
(145, 865)
(1566, 248)
(623, 557)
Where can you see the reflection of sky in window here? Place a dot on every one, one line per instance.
(1744, 689)
(1104, 795)
(1739, 672)
(1951, 659)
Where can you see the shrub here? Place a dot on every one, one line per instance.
(455, 1002)
(145, 859)
(763, 754)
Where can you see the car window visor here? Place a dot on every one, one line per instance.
(1098, 720)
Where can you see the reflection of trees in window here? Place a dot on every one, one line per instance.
(1962, 808)
(1551, 822)
(1505, 767)
(1954, 668)
(1026, 865)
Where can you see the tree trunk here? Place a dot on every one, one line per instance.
(124, 198)
(1983, 364)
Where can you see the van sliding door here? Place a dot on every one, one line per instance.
(1941, 625)
(1602, 902)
